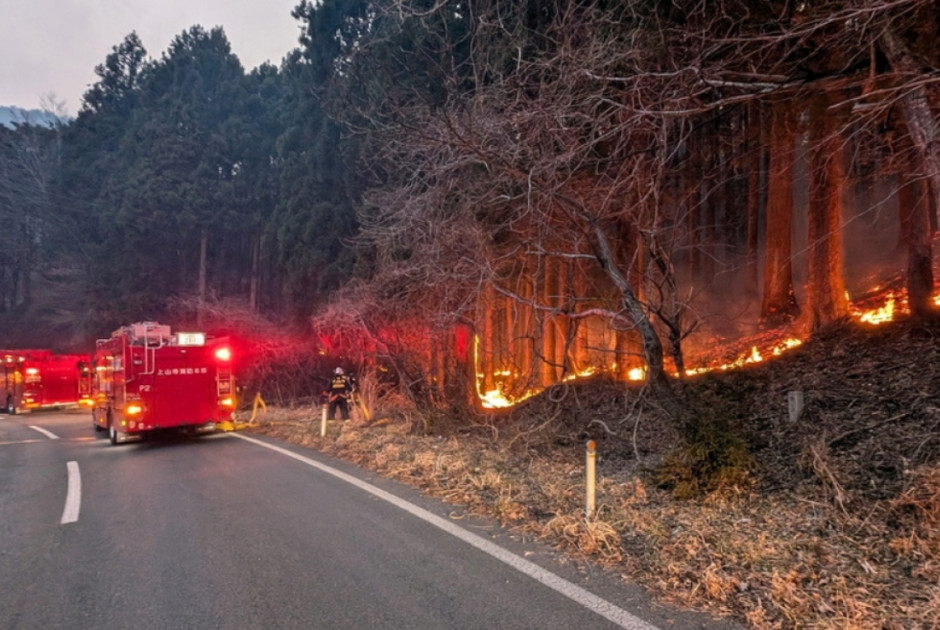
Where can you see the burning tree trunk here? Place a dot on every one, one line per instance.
(921, 121)
(523, 325)
(451, 365)
(826, 299)
(693, 211)
(779, 303)
(551, 287)
(485, 329)
(756, 152)
(915, 233)
(546, 349)
(710, 160)
(925, 135)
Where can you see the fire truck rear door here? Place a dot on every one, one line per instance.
(184, 390)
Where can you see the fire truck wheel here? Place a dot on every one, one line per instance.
(113, 434)
(11, 408)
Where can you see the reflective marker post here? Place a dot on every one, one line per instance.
(795, 404)
(323, 422)
(590, 472)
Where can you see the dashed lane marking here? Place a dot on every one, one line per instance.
(73, 497)
(46, 432)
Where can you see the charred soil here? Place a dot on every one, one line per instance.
(825, 519)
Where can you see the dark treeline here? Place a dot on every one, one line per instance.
(579, 186)
(183, 179)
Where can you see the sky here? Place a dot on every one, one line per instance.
(51, 47)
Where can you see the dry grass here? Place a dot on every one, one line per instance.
(832, 535)
(770, 563)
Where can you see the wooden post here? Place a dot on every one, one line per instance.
(590, 473)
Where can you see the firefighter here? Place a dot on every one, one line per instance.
(341, 386)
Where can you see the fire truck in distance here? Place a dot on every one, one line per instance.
(147, 378)
(41, 379)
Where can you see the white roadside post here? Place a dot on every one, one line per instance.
(795, 404)
(323, 420)
(590, 471)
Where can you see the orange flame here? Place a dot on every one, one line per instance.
(752, 356)
(884, 313)
(874, 311)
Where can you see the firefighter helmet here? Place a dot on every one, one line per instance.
(338, 370)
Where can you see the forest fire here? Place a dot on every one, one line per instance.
(498, 399)
(885, 312)
(754, 355)
(875, 309)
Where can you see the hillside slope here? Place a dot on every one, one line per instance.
(834, 521)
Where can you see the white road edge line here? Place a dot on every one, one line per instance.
(589, 600)
(48, 434)
(73, 498)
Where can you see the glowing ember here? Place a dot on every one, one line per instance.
(494, 399)
(785, 345)
(882, 314)
(582, 374)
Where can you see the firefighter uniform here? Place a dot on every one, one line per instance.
(338, 394)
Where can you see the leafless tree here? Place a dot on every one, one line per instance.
(580, 158)
(28, 159)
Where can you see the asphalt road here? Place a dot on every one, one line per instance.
(233, 531)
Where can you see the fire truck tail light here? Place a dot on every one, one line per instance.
(223, 354)
(227, 402)
(32, 371)
(134, 409)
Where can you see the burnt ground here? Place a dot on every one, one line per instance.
(828, 520)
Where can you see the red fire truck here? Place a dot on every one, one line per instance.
(37, 379)
(147, 378)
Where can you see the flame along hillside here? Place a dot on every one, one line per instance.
(878, 307)
(834, 524)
